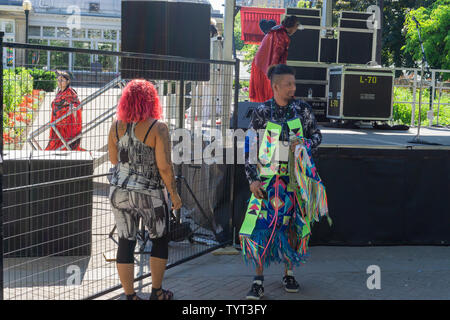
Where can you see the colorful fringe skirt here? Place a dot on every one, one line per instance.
(280, 233)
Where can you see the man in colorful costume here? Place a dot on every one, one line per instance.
(287, 193)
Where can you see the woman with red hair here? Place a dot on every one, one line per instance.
(139, 147)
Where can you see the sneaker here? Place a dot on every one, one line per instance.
(256, 292)
(290, 284)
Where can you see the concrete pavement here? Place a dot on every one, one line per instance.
(331, 273)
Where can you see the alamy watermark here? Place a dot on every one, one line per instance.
(74, 278)
(374, 21)
(74, 19)
(374, 281)
(215, 146)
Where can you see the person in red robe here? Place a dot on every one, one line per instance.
(272, 51)
(70, 127)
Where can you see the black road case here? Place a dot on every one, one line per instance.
(360, 93)
(311, 81)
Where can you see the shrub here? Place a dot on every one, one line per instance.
(402, 111)
(44, 80)
(16, 84)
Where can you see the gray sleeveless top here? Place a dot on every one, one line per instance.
(137, 168)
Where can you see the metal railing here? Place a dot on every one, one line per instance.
(410, 79)
(56, 218)
(86, 128)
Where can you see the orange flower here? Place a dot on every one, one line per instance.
(7, 138)
(19, 117)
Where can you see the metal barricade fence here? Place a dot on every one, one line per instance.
(58, 238)
(407, 87)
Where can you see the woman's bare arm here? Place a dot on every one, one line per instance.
(164, 157)
(112, 144)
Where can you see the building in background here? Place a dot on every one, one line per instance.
(85, 24)
(90, 24)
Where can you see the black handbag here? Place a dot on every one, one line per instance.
(179, 231)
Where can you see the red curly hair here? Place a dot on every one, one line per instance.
(139, 101)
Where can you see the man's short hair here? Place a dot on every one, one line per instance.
(278, 70)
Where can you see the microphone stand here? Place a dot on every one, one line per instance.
(417, 139)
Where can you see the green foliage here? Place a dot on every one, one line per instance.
(249, 54)
(238, 43)
(304, 4)
(44, 80)
(244, 90)
(393, 39)
(435, 33)
(16, 84)
(308, 4)
(394, 13)
(402, 111)
(399, 48)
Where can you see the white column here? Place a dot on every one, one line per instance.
(228, 29)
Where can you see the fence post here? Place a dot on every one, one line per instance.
(233, 168)
(181, 112)
(413, 107)
(1, 166)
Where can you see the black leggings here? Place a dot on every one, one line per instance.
(125, 252)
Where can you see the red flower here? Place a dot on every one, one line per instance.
(19, 117)
(7, 138)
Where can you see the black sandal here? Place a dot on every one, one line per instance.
(133, 296)
(156, 293)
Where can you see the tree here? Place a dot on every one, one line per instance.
(393, 39)
(238, 43)
(435, 33)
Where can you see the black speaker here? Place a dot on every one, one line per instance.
(317, 90)
(304, 45)
(244, 114)
(61, 214)
(166, 28)
(310, 73)
(312, 79)
(354, 17)
(355, 47)
(15, 207)
(328, 50)
(311, 86)
(303, 12)
(53, 220)
(306, 16)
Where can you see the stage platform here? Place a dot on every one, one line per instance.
(381, 188)
(371, 138)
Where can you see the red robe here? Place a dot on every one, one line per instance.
(69, 127)
(273, 50)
